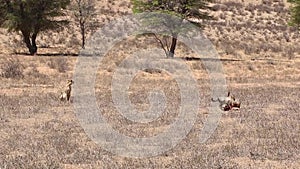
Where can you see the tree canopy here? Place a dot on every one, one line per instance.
(295, 12)
(85, 13)
(31, 17)
(186, 9)
(194, 11)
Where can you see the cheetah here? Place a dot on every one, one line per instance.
(66, 94)
(228, 103)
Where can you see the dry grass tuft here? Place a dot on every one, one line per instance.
(12, 68)
(59, 63)
(38, 131)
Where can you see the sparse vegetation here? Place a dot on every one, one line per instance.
(261, 63)
(85, 15)
(295, 10)
(60, 64)
(190, 10)
(35, 73)
(30, 17)
(12, 68)
(258, 29)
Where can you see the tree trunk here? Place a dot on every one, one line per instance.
(33, 42)
(173, 45)
(30, 43)
(83, 36)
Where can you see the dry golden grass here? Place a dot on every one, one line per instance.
(39, 131)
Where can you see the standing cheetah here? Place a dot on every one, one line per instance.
(66, 94)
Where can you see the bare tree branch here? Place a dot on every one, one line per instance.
(162, 44)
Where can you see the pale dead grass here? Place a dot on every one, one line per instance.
(38, 131)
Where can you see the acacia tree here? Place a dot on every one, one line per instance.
(30, 17)
(194, 11)
(295, 12)
(85, 15)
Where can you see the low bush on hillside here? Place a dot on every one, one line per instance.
(12, 68)
(61, 64)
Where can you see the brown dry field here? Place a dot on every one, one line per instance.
(261, 62)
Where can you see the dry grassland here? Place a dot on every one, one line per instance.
(261, 61)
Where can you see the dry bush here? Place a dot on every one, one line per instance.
(219, 7)
(124, 4)
(249, 49)
(251, 67)
(229, 49)
(34, 72)
(61, 64)
(12, 68)
(263, 8)
(74, 41)
(233, 4)
(222, 16)
(250, 8)
(276, 48)
(289, 52)
(15, 43)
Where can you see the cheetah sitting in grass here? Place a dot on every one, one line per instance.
(228, 103)
(66, 94)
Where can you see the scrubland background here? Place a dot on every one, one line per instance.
(261, 61)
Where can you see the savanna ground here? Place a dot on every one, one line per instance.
(260, 57)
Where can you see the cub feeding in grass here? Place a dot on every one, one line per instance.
(66, 93)
(228, 103)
